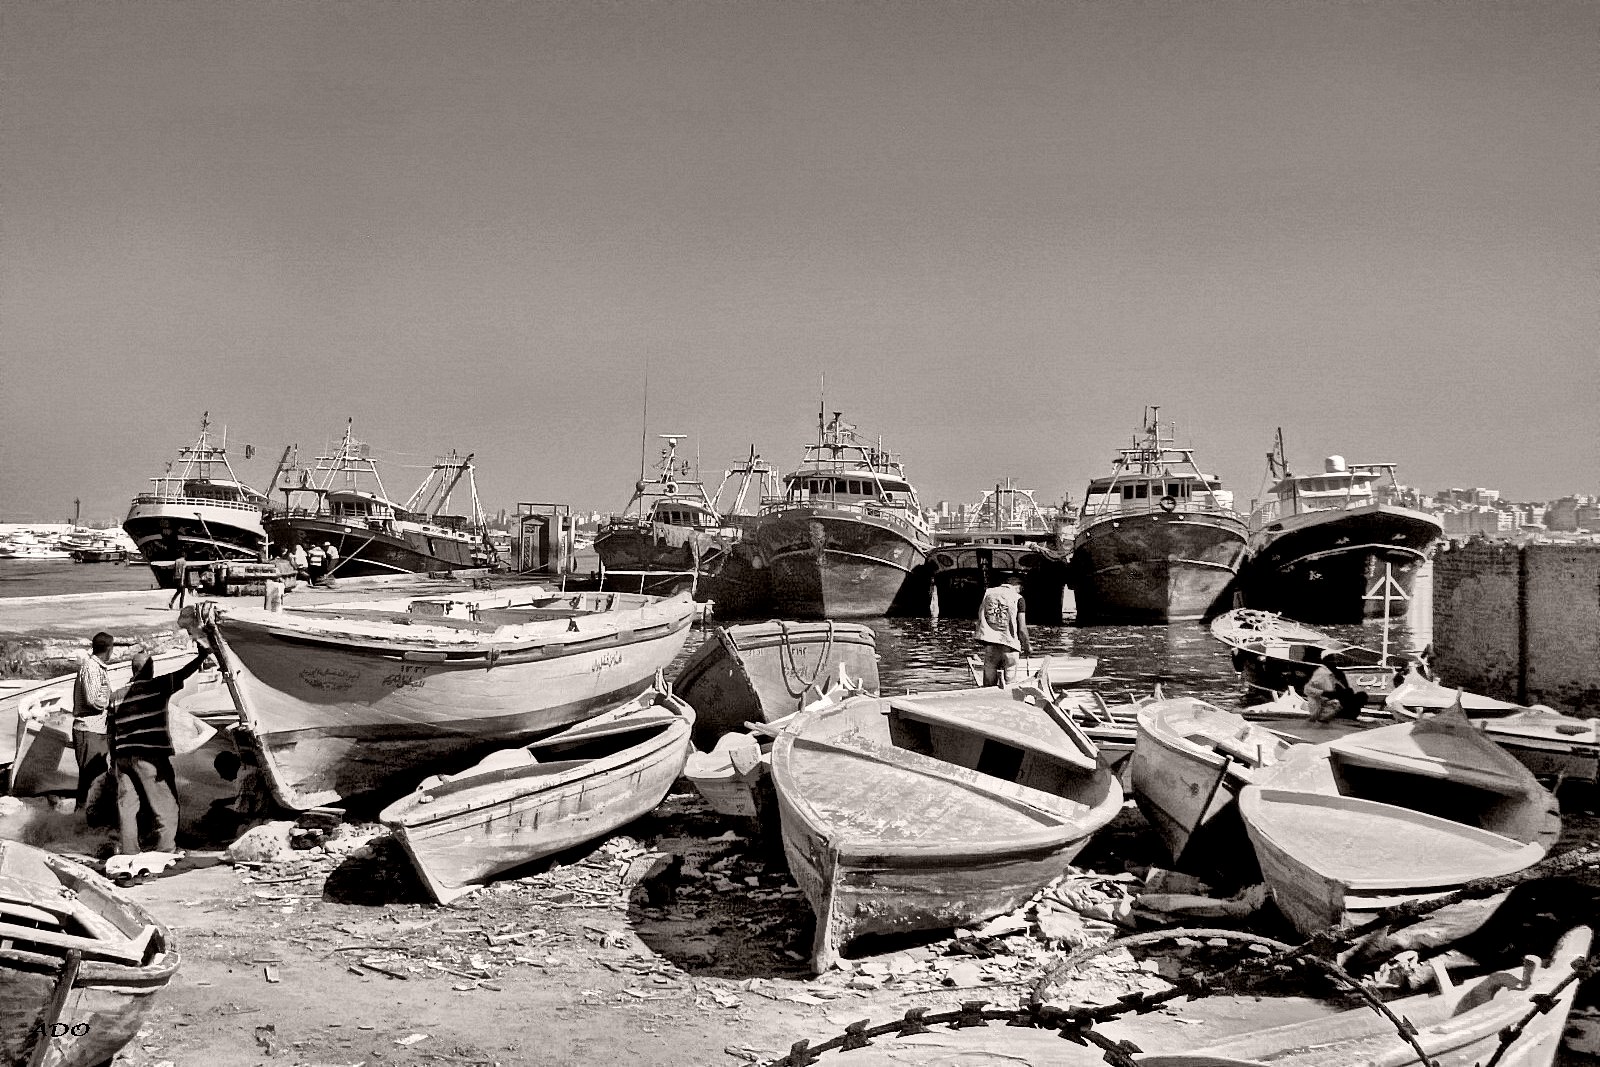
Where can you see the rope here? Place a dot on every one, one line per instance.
(790, 664)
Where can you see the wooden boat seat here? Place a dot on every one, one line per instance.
(1369, 845)
(985, 716)
(1239, 750)
(131, 951)
(1039, 803)
(1351, 750)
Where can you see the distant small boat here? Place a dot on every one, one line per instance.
(1547, 742)
(764, 671)
(1461, 1026)
(1346, 828)
(344, 700)
(933, 810)
(79, 962)
(1189, 763)
(522, 804)
(1274, 654)
(1062, 671)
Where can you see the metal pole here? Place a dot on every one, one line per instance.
(1388, 584)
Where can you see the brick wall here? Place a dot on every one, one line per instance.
(1520, 623)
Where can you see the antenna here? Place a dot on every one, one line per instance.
(644, 423)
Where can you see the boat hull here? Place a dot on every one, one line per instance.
(1329, 566)
(538, 817)
(326, 721)
(1155, 567)
(961, 576)
(760, 672)
(197, 531)
(365, 553)
(834, 564)
(107, 1003)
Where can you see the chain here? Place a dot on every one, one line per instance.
(1075, 1023)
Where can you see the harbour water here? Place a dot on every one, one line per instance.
(53, 577)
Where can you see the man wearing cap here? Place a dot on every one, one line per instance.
(142, 753)
(1002, 628)
(91, 697)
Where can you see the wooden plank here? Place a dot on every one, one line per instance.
(130, 952)
(53, 1010)
(953, 718)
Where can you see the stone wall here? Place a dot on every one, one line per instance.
(1520, 622)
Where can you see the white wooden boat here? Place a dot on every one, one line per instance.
(1347, 828)
(344, 700)
(765, 671)
(1547, 742)
(1189, 763)
(933, 810)
(523, 804)
(1461, 1026)
(1062, 671)
(79, 962)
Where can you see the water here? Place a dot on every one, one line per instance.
(1183, 658)
(48, 577)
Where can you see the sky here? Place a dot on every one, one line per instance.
(992, 232)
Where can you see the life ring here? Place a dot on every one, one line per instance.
(671, 489)
(1169, 504)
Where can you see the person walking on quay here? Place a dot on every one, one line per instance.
(330, 559)
(180, 579)
(91, 699)
(141, 751)
(314, 561)
(1002, 628)
(297, 556)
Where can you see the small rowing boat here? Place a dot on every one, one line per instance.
(523, 804)
(1062, 671)
(1347, 828)
(933, 810)
(80, 964)
(339, 701)
(1522, 1008)
(1189, 763)
(1548, 743)
(764, 671)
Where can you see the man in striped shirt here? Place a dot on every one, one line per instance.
(141, 753)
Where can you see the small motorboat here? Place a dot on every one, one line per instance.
(764, 671)
(523, 804)
(1548, 743)
(80, 964)
(1345, 829)
(1189, 763)
(933, 810)
(1273, 654)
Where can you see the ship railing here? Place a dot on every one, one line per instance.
(1125, 509)
(184, 500)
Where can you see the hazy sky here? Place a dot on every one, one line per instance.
(1000, 229)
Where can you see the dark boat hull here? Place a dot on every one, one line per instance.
(165, 537)
(366, 553)
(1155, 567)
(961, 571)
(827, 564)
(683, 557)
(1322, 569)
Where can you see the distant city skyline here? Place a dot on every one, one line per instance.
(999, 230)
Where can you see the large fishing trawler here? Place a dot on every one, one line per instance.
(1335, 546)
(670, 530)
(372, 534)
(847, 533)
(1007, 532)
(1158, 541)
(202, 512)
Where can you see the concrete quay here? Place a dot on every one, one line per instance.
(43, 636)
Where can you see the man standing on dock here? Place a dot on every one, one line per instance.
(142, 753)
(91, 698)
(1002, 628)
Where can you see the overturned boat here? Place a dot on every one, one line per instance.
(933, 810)
(80, 964)
(1274, 654)
(522, 804)
(1345, 829)
(346, 700)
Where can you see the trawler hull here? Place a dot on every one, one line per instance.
(199, 532)
(677, 553)
(1322, 565)
(960, 578)
(1155, 567)
(828, 564)
(365, 553)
